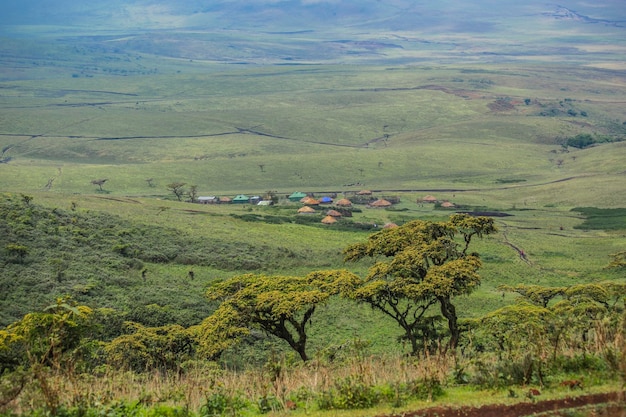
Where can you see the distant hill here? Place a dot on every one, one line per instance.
(294, 15)
(317, 30)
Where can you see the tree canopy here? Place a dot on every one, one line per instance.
(281, 306)
(419, 265)
(47, 338)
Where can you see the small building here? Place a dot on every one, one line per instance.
(429, 199)
(382, 203)
(364, 192)
(241, 199)
(447, 204)
(329, 220)
(333, 213)
(255, 199)
(211, 199)
(306, 210)
(296, 196)
(225, 200)
(390, 225)
(344, 202)
(326, 200)
(309, 201)
(265, 203)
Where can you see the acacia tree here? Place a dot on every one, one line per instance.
(51, 337)
(576, 312)
(45, 343)
(420, 265)
(281, 306)
(546, 322)
(193, 193)
(163, 348)
(521, 334)
(177, 189)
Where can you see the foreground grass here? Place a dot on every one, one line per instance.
(370, 386)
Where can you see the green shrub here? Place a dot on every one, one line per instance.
(582, 363)
(581, 141)
(268, 403)
(220, 403)
(348, 394)
(426, 389)
(601, 219)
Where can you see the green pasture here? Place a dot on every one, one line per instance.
(486, 137)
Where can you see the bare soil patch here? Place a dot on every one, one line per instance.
(616, 407)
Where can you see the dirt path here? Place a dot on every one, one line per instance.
(520, 251)
(616, 408)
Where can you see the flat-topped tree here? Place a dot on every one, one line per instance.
(281, 306)
(421, 264)
(177, 188)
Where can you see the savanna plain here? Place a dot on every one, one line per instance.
(123, 295)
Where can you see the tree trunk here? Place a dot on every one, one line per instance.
(449, 312)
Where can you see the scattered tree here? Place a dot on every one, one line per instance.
(47, 342)
(177, 189)
(535, 293)
(548, 321)
(27, 199)
(519, 332)
(193, 193)
(581, 141)
(421, 264)
(281, 306)
(271, 195)
(164, 348)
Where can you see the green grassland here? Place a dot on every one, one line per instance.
(484, 136)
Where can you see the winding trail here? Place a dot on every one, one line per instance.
(520, 251)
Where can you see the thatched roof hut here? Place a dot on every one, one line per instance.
(364, 192)
(329, 220)
(309, 201)
(306, 210)
(429, 199)
(382, 203)
(344, 202)
(333, 213)
(390, 225)
(447, 204)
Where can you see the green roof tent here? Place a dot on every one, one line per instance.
(297, 196)
(241, 199)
